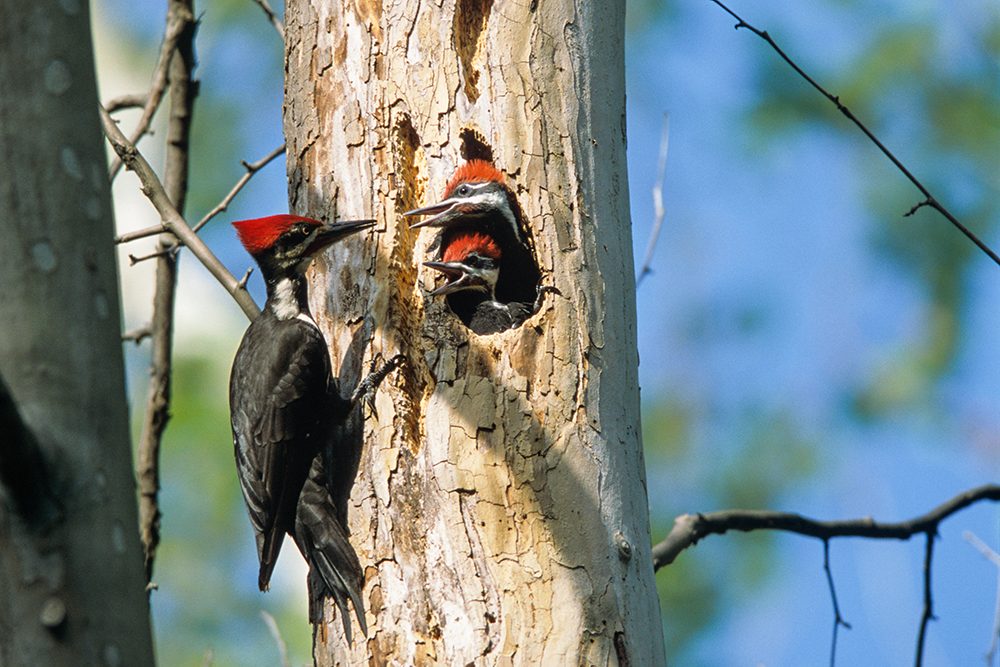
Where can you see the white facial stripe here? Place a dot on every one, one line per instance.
(496, 199)
(491, 276)
(491, 198)
(285, 305)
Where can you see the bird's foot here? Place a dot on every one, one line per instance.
(540, 296)
(376, 373)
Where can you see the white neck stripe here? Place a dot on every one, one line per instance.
(284, 301)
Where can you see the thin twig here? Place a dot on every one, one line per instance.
(173, 220)
(929, 199)
(658, 210)
(690, 528)
(156, 254)
(143, 233)
(246, 277)
(272, 17)
(176, 25)
(183, 90)
(928, 614)
(122, 102)
(138, 335)
(838, 620)
(251, 169)
(992, 556)
(272, 625)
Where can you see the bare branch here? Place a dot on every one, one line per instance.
(143, 233)
(137, 335)
(251, 169)
(177, 23)
(246, 277)
(690, 528)
(183, 90)
(272, 17)
(173, 220)
(658, 210)
(928, 614)
(838, 620)
(126, 102)
(135, 259)
(929, 199)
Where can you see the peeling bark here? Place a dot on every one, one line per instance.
(500, 506)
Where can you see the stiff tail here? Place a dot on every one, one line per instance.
(334, 569)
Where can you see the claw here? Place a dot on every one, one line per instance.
(540, 296)
(377, 371)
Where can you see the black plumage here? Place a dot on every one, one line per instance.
(285, 406)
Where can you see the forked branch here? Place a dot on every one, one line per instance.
(689, 529)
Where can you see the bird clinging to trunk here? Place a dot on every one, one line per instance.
(284, 405)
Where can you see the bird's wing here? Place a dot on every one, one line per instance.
(277, 394)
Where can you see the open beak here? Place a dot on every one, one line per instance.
(331, 233)
(442, 211)
(459, 276)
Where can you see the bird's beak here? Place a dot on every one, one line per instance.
(331, 233)
(460, 277)
(443, 211)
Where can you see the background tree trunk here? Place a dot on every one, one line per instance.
(501, 506)
(71, 584)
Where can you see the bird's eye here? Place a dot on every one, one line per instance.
(464, 190)
(295, 235)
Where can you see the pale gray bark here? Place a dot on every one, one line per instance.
(71, 584)
(501, 506)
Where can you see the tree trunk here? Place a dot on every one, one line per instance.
(71, 584)
(500, 508)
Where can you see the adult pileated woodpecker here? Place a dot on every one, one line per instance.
(284, 405)
(478, 199)
(472, 264)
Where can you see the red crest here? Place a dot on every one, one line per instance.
(259, 234)
(467, 243)
(473, 171)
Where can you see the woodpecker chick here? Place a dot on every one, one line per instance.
(284, 405)
(478, 194)
(472, 264)
(477, 199)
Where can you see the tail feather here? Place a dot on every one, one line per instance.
(268, 549)
(334, 569)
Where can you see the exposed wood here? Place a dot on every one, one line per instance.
(501, 504)
(72, 591)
